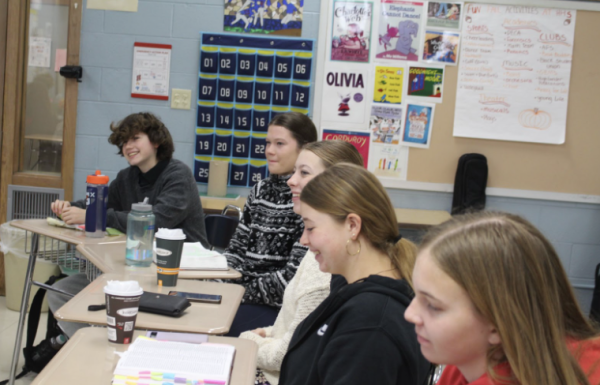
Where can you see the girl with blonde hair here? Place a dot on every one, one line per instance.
(355, 335)
(494, 304)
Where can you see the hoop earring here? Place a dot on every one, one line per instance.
(357, 251)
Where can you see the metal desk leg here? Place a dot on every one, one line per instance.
(24, 305)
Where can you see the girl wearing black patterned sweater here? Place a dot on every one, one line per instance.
(265, 246)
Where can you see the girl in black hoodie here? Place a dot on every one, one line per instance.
(358, 335)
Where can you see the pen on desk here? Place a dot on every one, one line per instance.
(96, 307)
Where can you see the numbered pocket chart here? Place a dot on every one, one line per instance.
(242, 84)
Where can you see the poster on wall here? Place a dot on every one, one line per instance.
(444, 15)
(351, 31)
(399, 30)
(358, 139)
(387, 87)
(441, 47)
(514, 73)
(426, 83)
(276, 17)
(388, 160)
(151, 68)
(344, 94)
(418, 124)
(385, 124)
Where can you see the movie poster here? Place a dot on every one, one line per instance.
(399, 30)
(444, 15)
(351, 31)
(277, 17)
(344, 94)
(388, 85)
(441, 47)
(385, 124)
(426, 83)
(417, 129)
(360, 140)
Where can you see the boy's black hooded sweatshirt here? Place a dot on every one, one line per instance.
(358, 335)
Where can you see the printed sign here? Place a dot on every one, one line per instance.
(399, 30)
(351, 31)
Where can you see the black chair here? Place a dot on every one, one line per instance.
(220, 227)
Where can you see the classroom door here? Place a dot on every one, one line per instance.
(40, 106)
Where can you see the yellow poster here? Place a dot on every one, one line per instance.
(388, 85)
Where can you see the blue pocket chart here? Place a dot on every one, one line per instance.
(243, 82)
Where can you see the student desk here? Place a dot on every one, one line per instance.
(88, 358)
(68, 237)
(198, 318)
(407, 218)
(110, 258)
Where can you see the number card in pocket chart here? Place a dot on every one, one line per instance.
(242, 84)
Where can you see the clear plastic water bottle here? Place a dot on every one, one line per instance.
(96, 199)
(140, 235)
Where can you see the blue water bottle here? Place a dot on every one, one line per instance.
(96, 199)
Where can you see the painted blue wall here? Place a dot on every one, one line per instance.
(107, 39)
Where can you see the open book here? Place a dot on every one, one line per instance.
(195, 257)
(150, 361)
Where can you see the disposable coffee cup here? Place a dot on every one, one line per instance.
(122, 306)
(169, 245)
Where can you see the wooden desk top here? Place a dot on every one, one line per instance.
(74, 237)
(88, 358)
(110, 258)
(407, 218)
(198, 318)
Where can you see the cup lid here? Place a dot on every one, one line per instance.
(97, 178)
(141, 207)
(172, 234)
(124, 288)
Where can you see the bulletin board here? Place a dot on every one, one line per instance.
(516, 169)
(243, 82)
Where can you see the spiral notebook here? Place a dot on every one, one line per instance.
(148, 361)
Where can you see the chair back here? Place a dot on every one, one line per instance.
(219, 229)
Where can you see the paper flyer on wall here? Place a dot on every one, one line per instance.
(358, 139)
(418, 125)
(513, 79)
(385, 124)
(351, 31)
(388, 85)
(276, 17)
(426, 83)
(441, 47)
(344, 94)
(151, 70)
(444, 15)
(399, 30)
(388, 160)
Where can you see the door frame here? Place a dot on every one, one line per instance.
(14, 71)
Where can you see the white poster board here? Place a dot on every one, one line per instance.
(513, 77)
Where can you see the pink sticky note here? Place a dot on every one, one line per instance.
(60, 59)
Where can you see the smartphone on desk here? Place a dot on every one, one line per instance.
(197, 297)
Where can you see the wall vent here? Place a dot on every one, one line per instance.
(27, 202)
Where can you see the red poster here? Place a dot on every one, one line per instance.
(360, 140)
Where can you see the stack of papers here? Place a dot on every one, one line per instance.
(196, 257)
(148, 361)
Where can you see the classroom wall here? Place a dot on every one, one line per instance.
(107, 39)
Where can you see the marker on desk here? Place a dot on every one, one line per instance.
(396, 165)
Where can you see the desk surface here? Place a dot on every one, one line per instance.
(407, 218)
(88, 358)
(111, 259)
(198, 318)
(74, 237)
